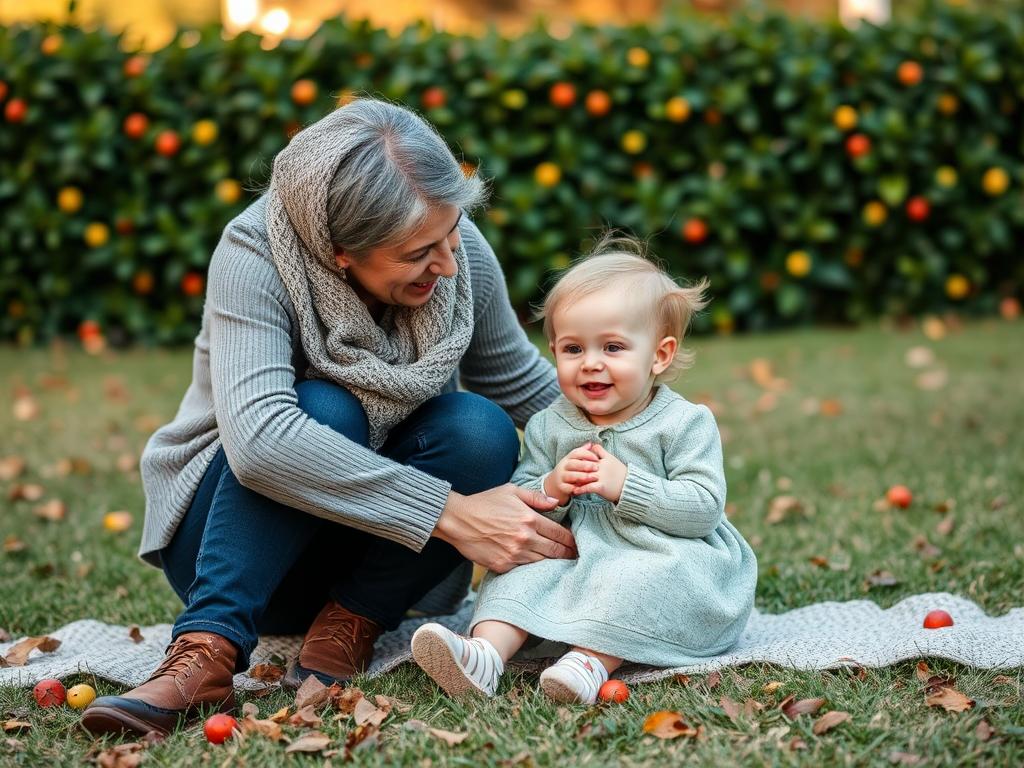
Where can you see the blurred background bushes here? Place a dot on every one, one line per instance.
(813, 173)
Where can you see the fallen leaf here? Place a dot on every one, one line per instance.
(16, 725)
(984, 731)
(751, 707)
(13, 745)
(772, 686)
(923, 672)
(904, 758)
(310, 742)
(781, 507)
(11, 467)
(712, 680)
(797, 743)
(997, 680)
(345, 699)
(683, 680)
(828, 721)
(271, 729)
(249, 708)
(25, 408)
(18, 653)
(831, 407)
(668, 725)
(73, 465)
(880, 578)
(451, 738)
(311, 693)
(933, 380)
(361, 737)
(13, 544)
(281, 715)
(793, 709)
(135, 634)
(731, 708)
(925, 548)
(390, 702)
(127, 462)
(121, 756)
(305, 718)
(919, 357)
(54, 510)
(950, 699)
(25, 492)
(945, 526)
(4, 635)
(365, 712)
(266, 673)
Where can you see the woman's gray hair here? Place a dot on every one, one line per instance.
(396, 171)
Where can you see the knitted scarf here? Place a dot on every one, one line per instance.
(392, 367)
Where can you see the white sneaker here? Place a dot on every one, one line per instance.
(460, 665)
(574, 679)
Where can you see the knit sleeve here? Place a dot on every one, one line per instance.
(690, 501)
(538, 459)
(271, 445)
(501, 363)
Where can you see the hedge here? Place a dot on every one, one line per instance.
(814, 174)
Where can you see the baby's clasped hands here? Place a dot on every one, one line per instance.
(609, 478)
(587, 469)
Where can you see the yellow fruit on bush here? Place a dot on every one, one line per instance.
(957, 287)
(634, 142)
(51, 44)
(995, 181)
(845, 117)
(80, 696)
(677, 109)
(875, 213)
(117, 521)
(204, 132)
(948, 104)
(513, 98)
(547, 174)
(228, 191)
(638, 57)
(96, 234)
(946, 176)
(798, 263)
(69, 199)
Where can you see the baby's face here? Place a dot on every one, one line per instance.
(607, 356)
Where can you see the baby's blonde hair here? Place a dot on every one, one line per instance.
(623, 262)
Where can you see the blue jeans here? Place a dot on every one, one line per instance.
(246, 565)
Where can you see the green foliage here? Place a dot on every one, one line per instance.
(755, 153)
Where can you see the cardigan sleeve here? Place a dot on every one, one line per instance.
(690, 501)
(271, 445)
(502, 364)
(538, 460)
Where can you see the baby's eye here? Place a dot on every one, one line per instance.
(613, 347)
(572, 349)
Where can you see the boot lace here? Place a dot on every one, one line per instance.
(185, 655)
(346, 631)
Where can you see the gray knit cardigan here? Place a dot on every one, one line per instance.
(248, 357)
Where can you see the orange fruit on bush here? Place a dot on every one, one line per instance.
(918, 208)
(957, 287)
(15, 110)
(937, 620)
(562, 95)
(434, 98)
(1009, 308)
(677, 109)
(899, 496)
(909, 73)
(134, 66)
(69, 199)
(995, 181)
(96, 234)
(598, 103)
(695, 231)
(135, 125)
(858, 145)
(948, 104)
(304, 92)
(614, 691)
(845, 117)
(634, 142)
(638, 57)
(798, 263)
(51, 44)
(228, 191)
(875, 213)
(204, 132)
(142, 283)
(547, 174)
(167, 143)
(192, 284)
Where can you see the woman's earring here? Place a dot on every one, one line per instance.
(344, 276)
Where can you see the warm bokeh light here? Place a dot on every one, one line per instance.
(852, 12)
(276, 21)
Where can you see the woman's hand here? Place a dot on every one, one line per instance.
(500, 529)
(578, 467)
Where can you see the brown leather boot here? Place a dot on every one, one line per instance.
(338, 644)
(195, 676)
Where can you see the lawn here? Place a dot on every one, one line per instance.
(829, 418)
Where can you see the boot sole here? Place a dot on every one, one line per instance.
(558, 691)
(434, 657)
(100, 720)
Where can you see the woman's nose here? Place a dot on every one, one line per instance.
(445, 264)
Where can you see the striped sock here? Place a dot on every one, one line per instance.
(460, 665)
(574, 679)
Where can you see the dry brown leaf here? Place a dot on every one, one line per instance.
(361, 737)
(451, 738)
(11, 467)
(310, 742)
(983, 731)
(16, 725)
(1003, 680)
(933, 380)
(271, 729)
(25, 408)
(25, 492)
(880, 578)
(782, 507)
(831, 407)
(121, 756)
(683, 680)
(923, 671)
(950, 699)
(281, 715)
(390, 702)
(828, 721)
(250, 709)
(945, 525)
(919, 357)
(54, 510)
(904, 758)
(266, 673)
(305, 718)
(712, 680)
(665, 724)
(772, 686)
(4, 635)
(345, 699)
(312, 693)
(73, 465)
(793, 709)
(731, 708)
(135, 634)
(13, 544)
(365, 712)
(127, 462)
(751, 707)
(18, 653)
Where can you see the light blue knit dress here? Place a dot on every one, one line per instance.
(662, 578)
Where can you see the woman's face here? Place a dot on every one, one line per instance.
(406, 272)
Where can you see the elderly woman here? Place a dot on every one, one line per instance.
(323, 473)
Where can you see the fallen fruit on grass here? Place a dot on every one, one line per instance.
(937, 620)
(218, 728)
(899, 496)
(117, 521)
(49, 693)
(80, 696)
(614, 691)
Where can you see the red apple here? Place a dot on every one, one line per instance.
(49, 693)
(899, 496)
(218, 728)
(937, 620)
(614, 691)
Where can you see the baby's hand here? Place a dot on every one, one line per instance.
(575, 469)
(611, 476)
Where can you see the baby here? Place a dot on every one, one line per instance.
(662, 577)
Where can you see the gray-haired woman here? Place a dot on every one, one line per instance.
(322, 473)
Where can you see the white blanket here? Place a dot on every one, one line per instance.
(819, 636)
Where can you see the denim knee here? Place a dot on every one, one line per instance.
(335, 407)
(484, 436)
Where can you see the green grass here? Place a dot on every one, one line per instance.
(958, 446)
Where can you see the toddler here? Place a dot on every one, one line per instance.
(662, 577)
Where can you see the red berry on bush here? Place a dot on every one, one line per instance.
(918, 208)
(192, 284)
(910, 73)
(434, 98)
(49, 693)
(858, 145)
(135, 66)
(562, 95)
(15, 110)
(695, 231)
(135, 125)
(167, 143)
(598, 103)
(88, 329)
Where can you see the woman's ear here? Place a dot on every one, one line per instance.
(664, 354)
(342, 258)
